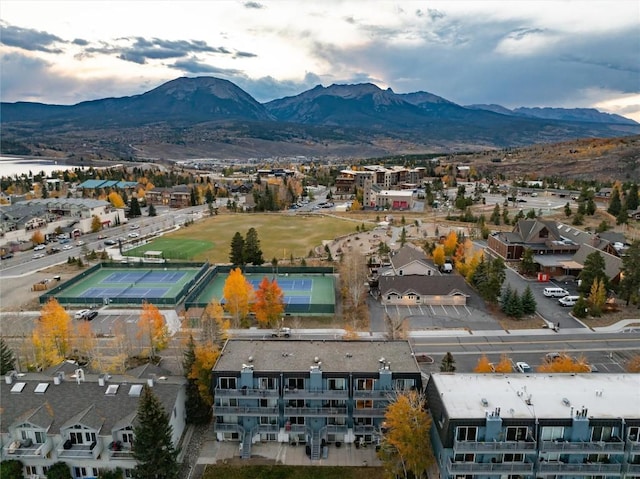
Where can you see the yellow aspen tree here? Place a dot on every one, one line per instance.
(633, 365)
(37, 237)
(205, 359)
(504, 365)
(215, 327)
(438, 255)
(52, 334)
(405, 450)
(450, 243)
(116, 200)
(238, 296)
(152, 328)
(565, 364)
(84, 342)
(483, 365)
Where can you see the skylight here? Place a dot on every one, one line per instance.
(112, 389)
(18, 387)
(135, 390)
(41, 388)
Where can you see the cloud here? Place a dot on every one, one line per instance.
(194, 65)
(254, 5)
(29, 39)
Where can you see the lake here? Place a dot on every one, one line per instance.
(18, 166)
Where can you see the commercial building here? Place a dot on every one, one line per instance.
(316, 393)
(569, 426)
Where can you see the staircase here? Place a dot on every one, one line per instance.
(246, 445)
(316, 447)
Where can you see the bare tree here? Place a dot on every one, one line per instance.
(353, 276)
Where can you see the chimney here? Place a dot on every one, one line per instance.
(10, 376)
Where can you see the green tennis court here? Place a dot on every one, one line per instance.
(164, 284)
(303, 293)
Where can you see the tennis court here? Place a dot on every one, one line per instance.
(164, 284)
(303, 293)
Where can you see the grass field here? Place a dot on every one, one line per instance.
(291, 472)
(280, 235)
(173, 248)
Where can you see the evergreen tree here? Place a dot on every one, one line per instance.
(252, 252)
(631, 200)
(11, 469)
(505, 297)
(495, 216)
(7, 358)
(581, 308)
(59, 470)
(154, 451)
(447, 365)
(630, 282)
(528, 301)
(237, 250)
(615, 204)
(403, 236)
(198, 412)
(593, 270)
(152, 210)
(134, 208)
(591, 207)
(514, 306)
(622, 218)
(194, 197)
(567, 209)
(527, 263)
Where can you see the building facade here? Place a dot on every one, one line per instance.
(312, 393)
(569, 426)
(85, 421)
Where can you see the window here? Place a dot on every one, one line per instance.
(79, 472)
(337, 421)
(228, 383)
(337, 384)
(518, 433)
(466, 457)
(467, 433)
(227, 402)
(76, 437)
(127, 437)
(268, 420)
(31, 470)
(364, 404)
(551, 433)
(404, 384)
(295, 383)
(41, 437)
(634, 433)
(296, 420)
(601, 433)
(267, 383)
(90, 437)
(365, 384)
(513, 458)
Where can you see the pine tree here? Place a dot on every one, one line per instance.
(447, 365)
(134, 208)
(252, 252)
(615, 204)
(7, 358)
(593, 269)
(236, 257)
(505, 297)
(630, 282)
(528, 301)
(152, 210)
(198, 411)
(154, 451)
(631, 200)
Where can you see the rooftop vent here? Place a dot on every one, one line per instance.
(566, 402)
(10, 376)
(316, 359)
(250, 359)
(484, 402)
(247, 366)
(349, 355)
(58, 378)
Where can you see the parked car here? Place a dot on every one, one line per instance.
(86, 314)
(281, 332)
(39, 247)
(7, 255)
(110, 242)
(80, 243)
(523, 367)
(67, 247)
(133, 234)
(552, 357)
(134, 227)
(80, 314)
(568, 300)
(102, 237)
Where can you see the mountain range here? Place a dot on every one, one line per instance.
(207, 116)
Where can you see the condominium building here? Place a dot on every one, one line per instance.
(86, 421)
(316, 393)
(569, 426)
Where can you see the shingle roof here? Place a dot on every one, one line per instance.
(612, 264)
(424, 285)
(407, 255)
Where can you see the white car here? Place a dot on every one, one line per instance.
(80, 243)
(523, 367)
(134, 227)
(40, 247)
(82, 313)
(38, 255)
(67, 247)
(133, 234)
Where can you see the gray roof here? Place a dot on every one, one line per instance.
(612, 264)
(529, 230)
(406, 255)
(280, 355)
(70, 402)
(424, 285)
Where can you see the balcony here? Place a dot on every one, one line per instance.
(315, 411)
(336, 429)
(557, 467)
(634, 447)
(228, 427)
(365, 429)
(245, 410)
(21, 448)
(586, 447)
(373, 393)
(369, 412)
(120, 450)
(67, 450)
(315, 394)
(523, 468)
(268, 428)
(495, 446)
(246, 393)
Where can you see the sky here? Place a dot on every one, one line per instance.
(553, 53)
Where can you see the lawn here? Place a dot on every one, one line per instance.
(291, 472)
(280, 235)
(182, 248)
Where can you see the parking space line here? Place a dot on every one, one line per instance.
(432, 310)
(444, 310)
(420, 308)
(455, 309)
(468, 312)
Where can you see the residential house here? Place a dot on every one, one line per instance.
(83, 420)
(410, 260)
(317, 393)
(443, 290)
(517, 426)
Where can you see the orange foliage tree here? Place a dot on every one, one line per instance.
(406, 450)
(152, 328)
(450, 243)
(215, 326)
(504, 365)
(116, 200)
(483, 365)
(565, 364)
(238, 296)
(205, 359)
(84, 342)
(37, 237)
(52, 335)
(269, 304)
(633, 366)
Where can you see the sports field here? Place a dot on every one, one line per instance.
(183, 248)
(303, 293)
(280, 235)
(124, 285)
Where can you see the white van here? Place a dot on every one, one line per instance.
(568, 300)
(555, 292)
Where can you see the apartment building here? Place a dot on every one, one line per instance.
(83, 420)
(312, 393)
(569, 426)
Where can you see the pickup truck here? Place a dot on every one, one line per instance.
(281, 333)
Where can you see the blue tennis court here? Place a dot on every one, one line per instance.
(148, 276)
(286, 284)
(125, 292)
